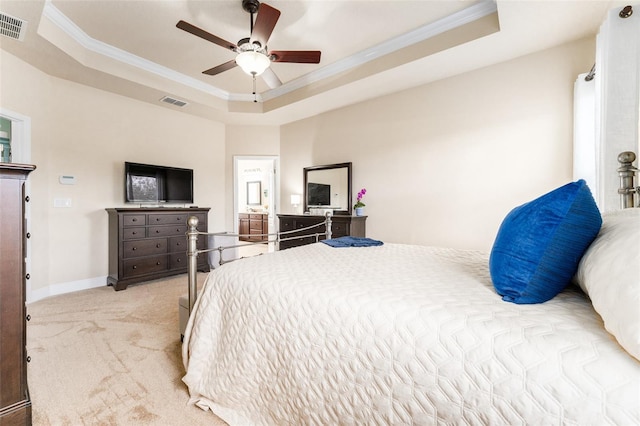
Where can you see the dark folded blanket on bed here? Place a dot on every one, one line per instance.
(352, 242)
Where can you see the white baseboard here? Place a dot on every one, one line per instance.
(63, 288)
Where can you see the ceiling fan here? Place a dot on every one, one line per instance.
(253, 56)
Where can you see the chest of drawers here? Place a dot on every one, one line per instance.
(252, 225)
(146, 244)
(341, 226)
(15, 403)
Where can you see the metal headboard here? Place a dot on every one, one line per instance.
(193, 252)
(629, 193)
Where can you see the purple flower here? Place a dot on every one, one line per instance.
(359, 202)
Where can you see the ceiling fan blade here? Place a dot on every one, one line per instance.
(220, 68)
(297, 56)
(183, 25)
(265, 23)
(271, 79)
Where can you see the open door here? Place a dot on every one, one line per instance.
(256, 184)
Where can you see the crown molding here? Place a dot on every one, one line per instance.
(455, 20)
(465, 16)
(55, 16)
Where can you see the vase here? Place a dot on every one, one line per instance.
(359, 211)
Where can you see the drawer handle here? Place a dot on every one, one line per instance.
(134, 249)
(134, 220)
(28, 359)
(178, 244)
(157, 219)
(157, 245)
(157, 231)
(28, 234)
(27, 276)
(27, 199)
(135, 267)
(179, 260)
(134, 233)
(177, 229)
(158, 263)
(28, 317)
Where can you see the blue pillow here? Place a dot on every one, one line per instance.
(540, 243)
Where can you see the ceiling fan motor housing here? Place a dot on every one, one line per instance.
(251, 6)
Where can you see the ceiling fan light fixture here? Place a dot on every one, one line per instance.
(253, 63)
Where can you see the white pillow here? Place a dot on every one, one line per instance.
(609, 272)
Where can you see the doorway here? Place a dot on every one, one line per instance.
(249, 173)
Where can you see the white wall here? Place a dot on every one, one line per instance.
(445, 162)
(89, 133)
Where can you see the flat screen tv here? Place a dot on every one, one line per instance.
(146, 184)
(318, 194)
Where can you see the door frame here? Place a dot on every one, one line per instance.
(274, 187)
(21, 153)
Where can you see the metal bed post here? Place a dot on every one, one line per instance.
(192, 256)
(627, 173)
(327, 227)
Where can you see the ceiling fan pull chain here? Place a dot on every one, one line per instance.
(255, 97)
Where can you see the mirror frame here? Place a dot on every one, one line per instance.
(306, 171)
(254, 193)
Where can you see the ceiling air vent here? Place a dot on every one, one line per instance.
(173, 101)
(12, 27)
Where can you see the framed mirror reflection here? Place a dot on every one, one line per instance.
(328, 187)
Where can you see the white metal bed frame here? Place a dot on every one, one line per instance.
(314, 231)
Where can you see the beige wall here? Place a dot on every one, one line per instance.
(444, 163)
(88, 133)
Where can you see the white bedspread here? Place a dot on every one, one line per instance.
(393, 335)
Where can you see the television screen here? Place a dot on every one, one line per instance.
(146, 183)
(318, 194)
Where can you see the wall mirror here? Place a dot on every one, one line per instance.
(328, 187)
(254, 193)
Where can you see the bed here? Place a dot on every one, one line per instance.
(402, 334)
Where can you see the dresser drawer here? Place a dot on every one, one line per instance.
(146, 265)
(140, 248)
(286, 225)
(179, 244)
(167, 231)
(255, 225)
(133, 233)
(133, 220)
(166, 219)
(256, 216)
(180, 261)
(339, 230)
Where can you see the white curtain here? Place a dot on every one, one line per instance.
(584, 133)
(607, 109)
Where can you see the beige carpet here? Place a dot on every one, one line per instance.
(101, 357)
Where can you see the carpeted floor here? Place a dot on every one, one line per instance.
(101, 357)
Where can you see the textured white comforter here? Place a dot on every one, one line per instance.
(397, 334)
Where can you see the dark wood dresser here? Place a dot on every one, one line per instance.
(15, 404)
(252, 225)
(150, 243)
(341, 226)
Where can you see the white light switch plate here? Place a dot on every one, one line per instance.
(62, 202)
